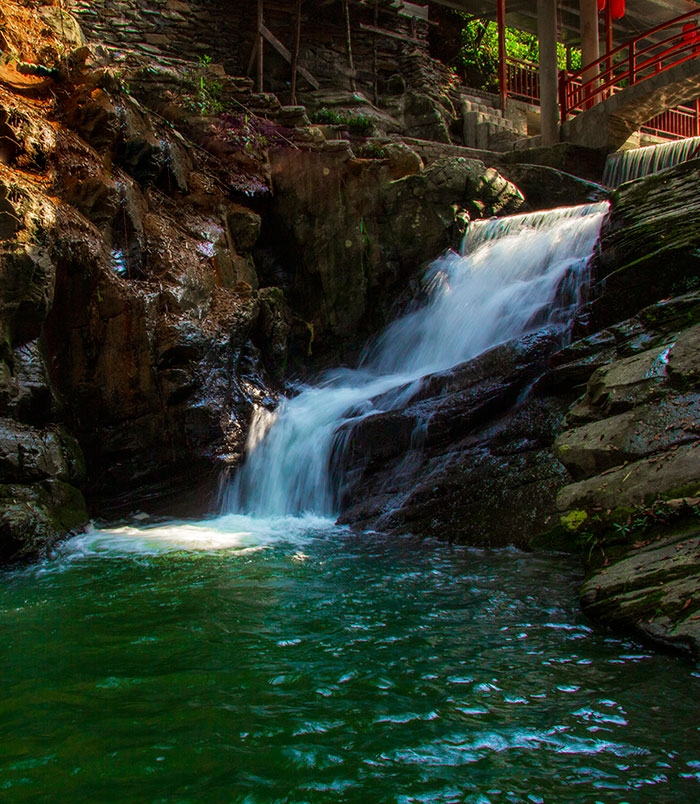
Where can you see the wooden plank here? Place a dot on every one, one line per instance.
(411, 10)
(261, 72)
(348, 44)
(295, 55)
(253, 54)
(390, 34)
(282, 50)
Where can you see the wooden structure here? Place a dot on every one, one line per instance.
(264, 34)
(415, 13)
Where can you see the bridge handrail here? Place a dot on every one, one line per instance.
(628, 64)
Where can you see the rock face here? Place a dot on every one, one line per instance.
(357, 230)
(41, 464)
(633, 453)
(128, 298)
(148, 335)
(630, 442)
(653, 590)
(650, 247)
(461, 461)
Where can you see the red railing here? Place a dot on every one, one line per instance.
(681, 122)
(630, 63)
(523, 80)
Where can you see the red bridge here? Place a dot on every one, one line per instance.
(640, 82)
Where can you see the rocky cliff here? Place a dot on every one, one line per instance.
(128, 290)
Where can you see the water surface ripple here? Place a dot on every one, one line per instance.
(236, 661)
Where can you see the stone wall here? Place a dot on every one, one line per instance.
(225, 31)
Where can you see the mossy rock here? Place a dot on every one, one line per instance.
(33, 517)
(652, 590)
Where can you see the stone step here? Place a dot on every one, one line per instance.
(479, 106)
(485, 131)
(491, 137)
(527, 142)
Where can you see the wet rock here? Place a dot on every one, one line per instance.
(93, 114)
(635, 432)
(84, 183)
(26, 290)
(403, 160)
(273, 330)
(25, 393)
(34, 516)
(441, 464)
(684, 360)
(632, 448)
(650, 247)
(573, 160)
(652, 591)
(545, 187)
(25, 140)
(596, 447)
(424, 118)
(666, 475)
(244, 227)
(143, 153)
(28, 454)
(623, 384)
(345, 285)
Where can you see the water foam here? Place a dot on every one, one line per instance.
(231, 532)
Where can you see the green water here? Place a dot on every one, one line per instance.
(242, 661)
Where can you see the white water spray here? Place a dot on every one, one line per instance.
(521, 273)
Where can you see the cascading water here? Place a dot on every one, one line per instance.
(514, 275)
(625, 166)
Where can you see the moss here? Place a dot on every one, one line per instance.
(355, 122)
(689, 490)
(66, 506)
(574, 520)
(672, 316)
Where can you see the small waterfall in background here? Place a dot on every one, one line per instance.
(625, 166)
(514, 275)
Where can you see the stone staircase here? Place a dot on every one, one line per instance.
(487, 128)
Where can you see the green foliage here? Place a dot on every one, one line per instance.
(206, 90)
(686, 285)
(354, 122)
(623, 527)
(479, 52)
(365, 235)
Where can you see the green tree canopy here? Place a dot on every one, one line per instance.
(479, 52)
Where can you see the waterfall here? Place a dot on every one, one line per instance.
(513, 276)
(625, 166)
